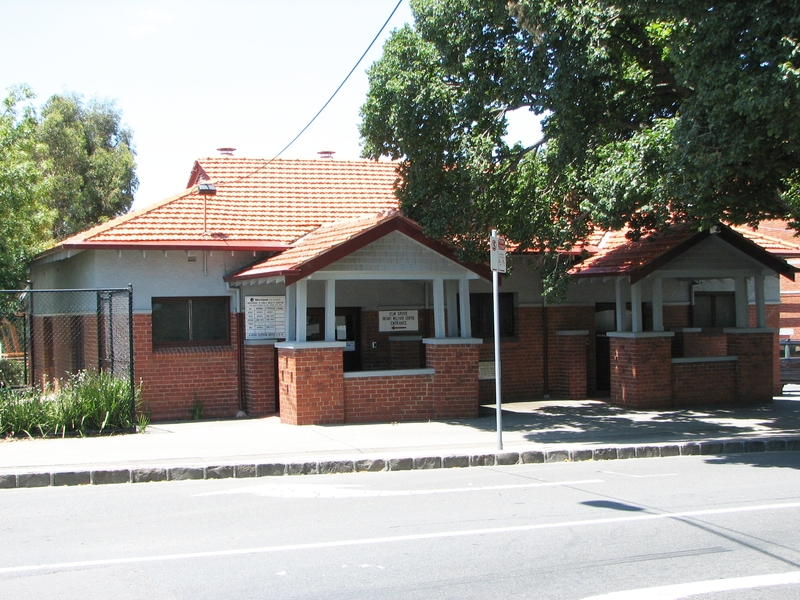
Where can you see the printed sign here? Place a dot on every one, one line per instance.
(398, 320)
(486, 370)
(497, 254)
(265, 317)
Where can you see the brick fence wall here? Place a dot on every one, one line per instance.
(702, 383)
(640, 371)
(310, 383)
(260, 363)
(388, 398)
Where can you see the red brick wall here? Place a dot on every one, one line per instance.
(455, 385)
(774, 320)
(172, 378)
(521, 359)
(389, 398)
(676, 316)
(756, 352)
(568, 357)
(641, 374)
(64, 347)
(704, 343)
(698, 384)
(311, 385)
(259, 380)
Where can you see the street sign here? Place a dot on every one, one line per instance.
(497, 253)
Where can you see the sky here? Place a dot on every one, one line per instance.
(193, 76)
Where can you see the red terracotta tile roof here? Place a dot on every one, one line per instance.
(774, 236)
(618, 256)
(335, 240)
(259, 203)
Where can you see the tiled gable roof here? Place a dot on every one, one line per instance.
(639, 258)
(259, 203)
(335, 240)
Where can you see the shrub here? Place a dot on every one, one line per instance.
(89, 402)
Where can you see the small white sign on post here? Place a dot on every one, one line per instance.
(497, 253)
(398, 320)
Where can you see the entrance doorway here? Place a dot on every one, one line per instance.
(348, 330)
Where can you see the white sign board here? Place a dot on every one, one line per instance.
(486, 370)
(497, 254)
(265, 317)
(398, 320)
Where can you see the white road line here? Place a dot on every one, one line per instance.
(640, 476)
(685, 590)
(394, 539)
(301, 490)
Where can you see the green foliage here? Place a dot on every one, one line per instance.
(25, 218)
(87, 403)
(652, 112)
(197, 409)
(88, 159)
(64, 171)
(12, 372)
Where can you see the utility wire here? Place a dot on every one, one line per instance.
(324, 106)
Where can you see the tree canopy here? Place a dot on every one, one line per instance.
(25, 219)
(87, 158)
(61, 172)
(652, 113)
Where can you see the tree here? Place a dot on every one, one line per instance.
(88, 160)
(653, 112)
(25, 219)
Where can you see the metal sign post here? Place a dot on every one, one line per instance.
(497, 262)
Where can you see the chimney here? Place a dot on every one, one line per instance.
(326, 154)
(226, 151)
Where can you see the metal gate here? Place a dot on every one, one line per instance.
(47, 336)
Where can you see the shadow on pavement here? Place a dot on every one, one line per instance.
(594, 421)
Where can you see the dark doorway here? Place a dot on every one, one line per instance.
(605, 320)
(348, 330)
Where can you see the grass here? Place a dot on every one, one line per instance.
(89, 402)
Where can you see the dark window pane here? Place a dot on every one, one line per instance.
(481, 308)
(209, 319)
(170, 320)
(725, 310)
(179, 321)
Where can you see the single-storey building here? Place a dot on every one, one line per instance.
(298, 287)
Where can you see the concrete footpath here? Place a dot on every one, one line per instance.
(533, 432)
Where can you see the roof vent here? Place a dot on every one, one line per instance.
(326, 154)
(226, 151)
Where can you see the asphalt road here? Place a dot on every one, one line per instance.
(718, 527)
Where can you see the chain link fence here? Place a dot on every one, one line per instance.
(48, 336)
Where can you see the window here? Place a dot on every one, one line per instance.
(714, 309)
(190, 321)
(482, 315)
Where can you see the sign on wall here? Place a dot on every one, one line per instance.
(486, 370)
(265, 317)
(398, 320)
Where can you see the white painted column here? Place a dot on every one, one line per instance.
(761, 305)
(740, 300)
(330, 310)
(658, 304)
(636, 307)
(620, 305)
(291, 302)
(451, 307)
(438, 308)
(301, 306)
(463, 298)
